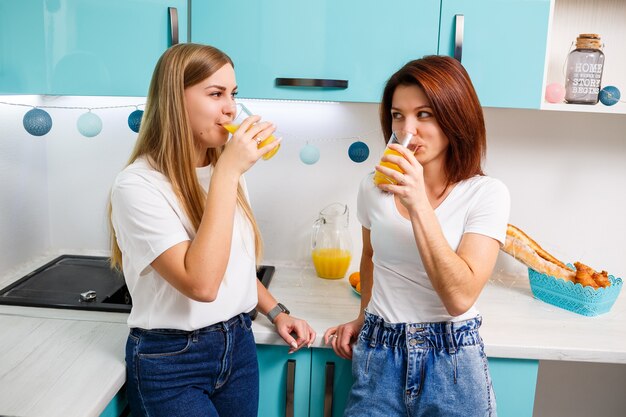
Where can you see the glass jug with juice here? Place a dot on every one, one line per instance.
(242, 113)
(402, 138)
(331, 245)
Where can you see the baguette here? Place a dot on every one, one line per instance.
(527, 251)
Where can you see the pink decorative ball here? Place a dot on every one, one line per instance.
(555, 93)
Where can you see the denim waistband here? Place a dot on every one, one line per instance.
(438, 335)
(243, 319)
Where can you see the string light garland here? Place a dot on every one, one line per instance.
(38, 122)
(134, 120)
(89, 124)
(309, 154)
(609, 95)
(358, 151)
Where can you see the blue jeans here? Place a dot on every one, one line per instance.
(212, 371)
(420, 369)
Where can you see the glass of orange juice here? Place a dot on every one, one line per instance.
(401, 138)
(242, 113)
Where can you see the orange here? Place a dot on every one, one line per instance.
(355, 278)
(358, 287)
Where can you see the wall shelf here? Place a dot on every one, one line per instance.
(619, 108)
(572, 17)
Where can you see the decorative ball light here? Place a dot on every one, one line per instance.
(309, 154)
(37, 122)
(555, 93)
(609, 95)
(358, 151)
(89, 124)
(134, 120)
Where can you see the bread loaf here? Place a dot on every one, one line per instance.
(527, 251)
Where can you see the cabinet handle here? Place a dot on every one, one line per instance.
(459, 28)
(291, 382)
(173, 12)
(329, 387)
(311, 82)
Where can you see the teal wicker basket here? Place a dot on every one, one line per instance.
(574, 297)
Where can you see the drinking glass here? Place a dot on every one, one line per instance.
(242, 113)
(401, 138)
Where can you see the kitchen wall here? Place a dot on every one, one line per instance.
(24, 214)
(565, 171)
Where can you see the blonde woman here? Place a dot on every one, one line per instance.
(185, 237)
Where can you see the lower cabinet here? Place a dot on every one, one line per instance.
(331, 379)
(514, 382)
(315, 383)
(118, 406)
(310, 382)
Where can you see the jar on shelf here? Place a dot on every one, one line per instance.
(584, 70)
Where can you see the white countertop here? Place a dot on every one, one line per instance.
(71, 363)
(515, 325)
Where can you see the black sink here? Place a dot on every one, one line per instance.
(81, 283)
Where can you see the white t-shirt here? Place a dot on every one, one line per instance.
(148, 220)
(402, 291)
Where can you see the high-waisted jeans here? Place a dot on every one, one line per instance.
(420, 369)
(212, 371)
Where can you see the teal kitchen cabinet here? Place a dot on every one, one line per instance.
(284, 381)
(514, 382)
(305, 383)
(85, 47)
(331, 379)
(118, 406)
(22, 47)
(348, 48)
(315, 382)
(502, 45)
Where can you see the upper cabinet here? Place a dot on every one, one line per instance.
(317, 50)
(308, 50)
(85, 47)
(22, 47)
(502, 44)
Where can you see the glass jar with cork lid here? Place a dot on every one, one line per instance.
(584, 70)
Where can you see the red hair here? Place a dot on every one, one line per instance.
(455, 106)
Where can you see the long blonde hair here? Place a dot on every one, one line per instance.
(166, 137)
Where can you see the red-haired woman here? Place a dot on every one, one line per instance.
(430, 243)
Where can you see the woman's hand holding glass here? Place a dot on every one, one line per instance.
(238, 125)
(409, 180)
(242, 150)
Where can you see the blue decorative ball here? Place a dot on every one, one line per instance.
(37, 122)
(89, 124)
(309, 154)
(134, 120)
(358, 151)
(609, 95)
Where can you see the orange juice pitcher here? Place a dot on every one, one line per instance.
(331, 246)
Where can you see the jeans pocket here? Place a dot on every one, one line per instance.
(156, 344)
(247, 322)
